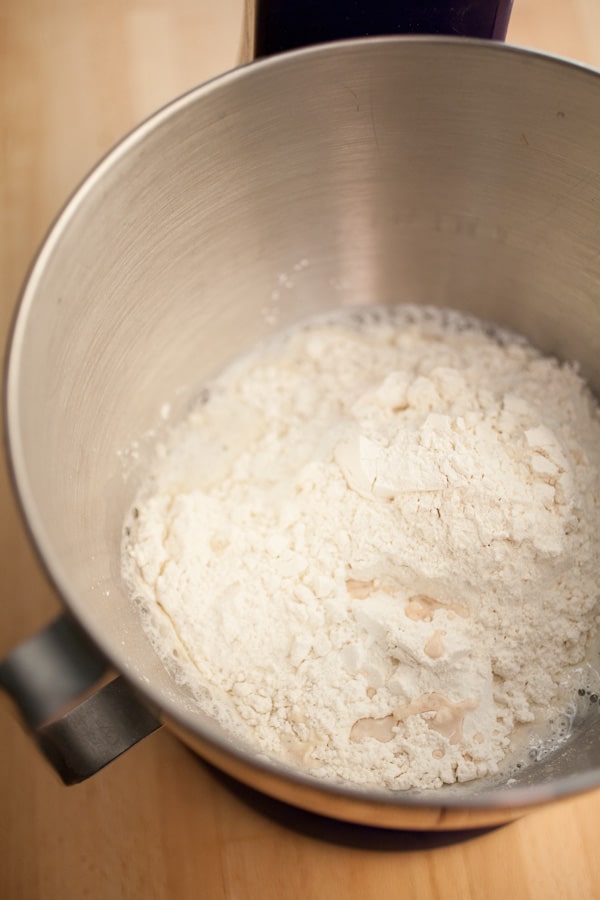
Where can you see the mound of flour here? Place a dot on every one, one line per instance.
(373, 546)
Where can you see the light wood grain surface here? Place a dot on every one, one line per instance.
(74, 76)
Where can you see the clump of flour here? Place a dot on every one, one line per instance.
(375, 542)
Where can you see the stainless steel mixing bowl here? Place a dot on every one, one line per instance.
(439, 171)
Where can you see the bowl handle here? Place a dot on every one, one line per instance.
(279, 25)
(47, 674)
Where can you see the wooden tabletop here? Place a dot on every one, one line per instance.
(158, 823)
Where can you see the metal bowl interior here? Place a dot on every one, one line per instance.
(436, 171)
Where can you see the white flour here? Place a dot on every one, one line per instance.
(376, 544)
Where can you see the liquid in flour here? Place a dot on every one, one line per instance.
(361, 542)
